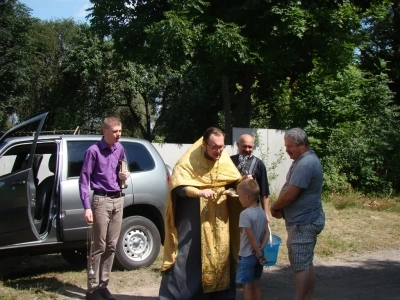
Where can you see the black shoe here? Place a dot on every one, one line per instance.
(93, 295)
(105, 293)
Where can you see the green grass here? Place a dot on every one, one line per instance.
(352, 227)
(370, 202)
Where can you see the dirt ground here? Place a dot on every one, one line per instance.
(372, 276)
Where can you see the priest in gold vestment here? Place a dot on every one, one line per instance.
(201, 224)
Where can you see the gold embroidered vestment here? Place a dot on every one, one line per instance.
(219, 216)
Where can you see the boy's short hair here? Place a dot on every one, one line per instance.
(250, 187)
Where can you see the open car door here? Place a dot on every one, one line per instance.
(17, 186)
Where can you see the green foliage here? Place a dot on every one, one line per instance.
(170, 69)
(97, 80)
(379, 49)
(85, 73)
(351, 199)
(335, 180)
(191, 108)
(49, 43)
(353, 126)
(15, 22)
(256, 44)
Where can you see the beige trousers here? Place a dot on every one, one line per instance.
(107, 220)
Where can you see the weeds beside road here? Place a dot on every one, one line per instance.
(348, 232)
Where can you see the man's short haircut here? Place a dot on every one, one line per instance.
(298, 135)
(111, 121)
(250, 187)
(212, 130)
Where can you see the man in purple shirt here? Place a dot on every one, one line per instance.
(100, 172)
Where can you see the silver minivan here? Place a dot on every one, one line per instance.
(40, 208)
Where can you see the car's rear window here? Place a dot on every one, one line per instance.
(138, 157)
(76, 151)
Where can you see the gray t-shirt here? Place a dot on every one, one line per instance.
(305, 173)
(254, 218)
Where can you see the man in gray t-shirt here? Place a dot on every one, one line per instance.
(305, 174)
(299, 203)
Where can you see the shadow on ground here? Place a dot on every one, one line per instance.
(24, 266)
(370, 277)
(376, 279)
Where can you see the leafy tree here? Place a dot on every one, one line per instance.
(97, 81)
(352, 124)
(84, 70)
(191, 107)
(142, 93)
(380, 49)
(15, 22)
(366, 148)
(49, 43)
(251, 45)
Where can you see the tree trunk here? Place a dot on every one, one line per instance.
(227, 110)
(244, 108)
(394, 63)
(147, 136)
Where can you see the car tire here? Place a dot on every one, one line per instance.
(138, 245)
(75, 257)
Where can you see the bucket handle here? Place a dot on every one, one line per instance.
(270, 236)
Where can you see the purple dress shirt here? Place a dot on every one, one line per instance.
(100, 170)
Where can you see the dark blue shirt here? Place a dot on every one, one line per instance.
(259, 172)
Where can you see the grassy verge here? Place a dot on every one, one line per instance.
(351, 228)
(357, 200)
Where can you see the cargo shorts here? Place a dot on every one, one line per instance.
(301, 242)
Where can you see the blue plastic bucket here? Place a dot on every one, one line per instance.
(271, 250)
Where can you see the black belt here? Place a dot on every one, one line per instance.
(108, 194)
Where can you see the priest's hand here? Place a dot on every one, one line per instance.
(207, 193)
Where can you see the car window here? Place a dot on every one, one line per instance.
(7, 163)
(138, 157)
(76, 151)
(14, 159)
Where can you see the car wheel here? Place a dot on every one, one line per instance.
(138, 244)
(75, 257)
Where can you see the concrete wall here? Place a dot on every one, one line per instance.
(270, 148)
